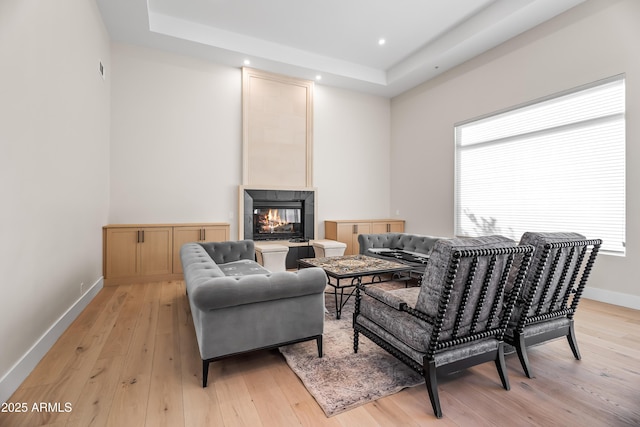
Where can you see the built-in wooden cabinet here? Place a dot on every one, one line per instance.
(138, 251)
(387, 226)
(151, 252)
(347, 231)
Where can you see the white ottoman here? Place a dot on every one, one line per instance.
(272, 256)
(327, 248)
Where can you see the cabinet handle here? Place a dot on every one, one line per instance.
(204, 234)
(388, 228)
(355, 228)
(142, 236)
(138, 236)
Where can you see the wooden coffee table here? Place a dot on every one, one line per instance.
(349, 271)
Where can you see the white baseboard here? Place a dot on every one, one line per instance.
(19, 372)
(611, 297)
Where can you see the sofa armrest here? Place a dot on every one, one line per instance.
(224, 252)
(221, 292)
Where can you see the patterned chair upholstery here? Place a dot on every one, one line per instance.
(549, 296)
(456, 319)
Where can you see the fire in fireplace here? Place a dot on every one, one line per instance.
(278, 214)
(277, 222)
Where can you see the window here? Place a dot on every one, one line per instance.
(556, 164)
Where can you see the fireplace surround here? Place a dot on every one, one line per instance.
(277, 214)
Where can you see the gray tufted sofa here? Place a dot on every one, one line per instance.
(377, 244)
(239, 306)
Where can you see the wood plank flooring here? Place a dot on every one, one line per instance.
(131, 359)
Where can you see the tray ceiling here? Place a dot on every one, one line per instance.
(336, 39)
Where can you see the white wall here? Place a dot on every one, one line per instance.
(351, 155)
(54, 149)
(175, 138)
(176, 143)
(592, 41)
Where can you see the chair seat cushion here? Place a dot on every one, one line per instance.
(466, 351)
(442, 358)
(405, 327)
(533, 329)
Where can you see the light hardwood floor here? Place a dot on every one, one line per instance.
(131, 359)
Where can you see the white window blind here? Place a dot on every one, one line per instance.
(553, 165)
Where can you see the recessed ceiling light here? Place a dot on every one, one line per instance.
(381, 42)
(318, 77)
(247, 62)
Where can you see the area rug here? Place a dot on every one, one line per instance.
(342, 380)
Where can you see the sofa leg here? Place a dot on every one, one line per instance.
(205, 372)
(319, 343)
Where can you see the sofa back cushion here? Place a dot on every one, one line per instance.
(415, 243)
(224, 252)
(403, 241)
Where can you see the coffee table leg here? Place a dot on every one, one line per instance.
(342, 302)
(335, 295)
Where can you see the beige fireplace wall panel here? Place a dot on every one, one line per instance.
(277, 130)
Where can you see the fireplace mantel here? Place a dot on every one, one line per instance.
(246, 193)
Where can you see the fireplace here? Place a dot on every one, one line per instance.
(277, 220)
(278, 214)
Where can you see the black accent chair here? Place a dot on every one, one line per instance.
(456, 319)
(549, 296)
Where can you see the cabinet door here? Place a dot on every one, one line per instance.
(348, 234)
(182, 235)
(156, 251)
(359, 228)
(396, 227)
(380, 227)
(215, 234)
(331, 230)
(122, 257)
(187, 234)
(388, 227)
(344, 234)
